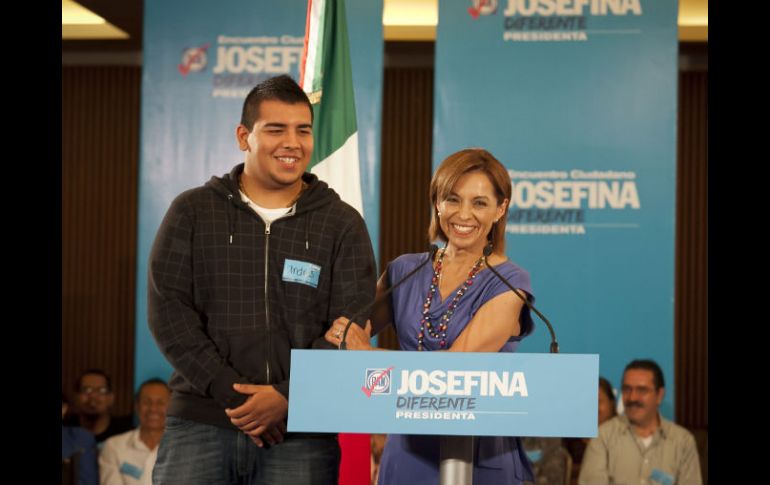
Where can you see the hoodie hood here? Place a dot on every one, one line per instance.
(316, 195)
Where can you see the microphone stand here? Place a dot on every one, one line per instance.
(554, 348)
(456, 466)
(431, 254)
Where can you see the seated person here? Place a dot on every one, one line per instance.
(94, 400)
(549, 460)
(128, 458)
(607, 409)
(78, 447)
(641, 446)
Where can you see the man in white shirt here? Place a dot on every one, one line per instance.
(128, 458)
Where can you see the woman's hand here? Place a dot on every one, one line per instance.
(357, 339)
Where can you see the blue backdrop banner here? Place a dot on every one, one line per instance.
(200, 61)
(577, 98)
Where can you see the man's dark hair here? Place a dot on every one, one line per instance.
(98, 372)
(154, 380)
(650, 365)
(281, 88)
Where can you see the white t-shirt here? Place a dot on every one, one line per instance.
(126, 460)
(646, 441)
(268, 215)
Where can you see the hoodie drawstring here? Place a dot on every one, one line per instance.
(230, 221)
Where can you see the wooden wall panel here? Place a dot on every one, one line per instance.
(407, 127)
(100, 139)
(692, 253)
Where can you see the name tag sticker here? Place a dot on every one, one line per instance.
(534, 455)
(661, 477)
(131, 470)
(301, 272)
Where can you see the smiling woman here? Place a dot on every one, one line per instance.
(455, 305)
(470, 185)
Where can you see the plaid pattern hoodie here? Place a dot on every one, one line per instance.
(221, 303)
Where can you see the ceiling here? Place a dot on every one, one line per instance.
(123, 14)
(127, 16)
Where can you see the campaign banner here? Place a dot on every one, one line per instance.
(200, 60)
(443, 393)
(578, 99)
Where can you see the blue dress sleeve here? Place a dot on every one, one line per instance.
(519, 278)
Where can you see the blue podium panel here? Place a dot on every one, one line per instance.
(444, 393)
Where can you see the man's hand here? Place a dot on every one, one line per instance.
(357, 338)
(263, 415)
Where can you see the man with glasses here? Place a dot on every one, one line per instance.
(93, 401)
(641, 446)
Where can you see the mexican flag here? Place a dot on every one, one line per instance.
(325, 76)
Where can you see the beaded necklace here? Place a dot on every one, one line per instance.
(438, 331)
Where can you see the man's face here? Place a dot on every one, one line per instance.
(640, 399)
(279, 146)
(94, 397)
(152, 405)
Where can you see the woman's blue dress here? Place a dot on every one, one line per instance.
(414, 459)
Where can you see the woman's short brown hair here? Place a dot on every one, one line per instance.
(449, 172)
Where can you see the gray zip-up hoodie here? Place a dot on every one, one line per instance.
(229, 296)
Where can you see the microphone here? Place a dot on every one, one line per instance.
(431, 254)
(554, 344)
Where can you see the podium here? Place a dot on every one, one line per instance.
(453, 394)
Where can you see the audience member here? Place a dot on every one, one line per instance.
(94, 399)
(78, 453)
(641, 446)
(607, 409)
(550, 460)
(128, 458)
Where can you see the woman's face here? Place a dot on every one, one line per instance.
(606, 410)
(469, 211)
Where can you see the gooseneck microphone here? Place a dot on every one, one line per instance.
(554, 344)
(431, 254)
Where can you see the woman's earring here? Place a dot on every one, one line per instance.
(438, 213)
